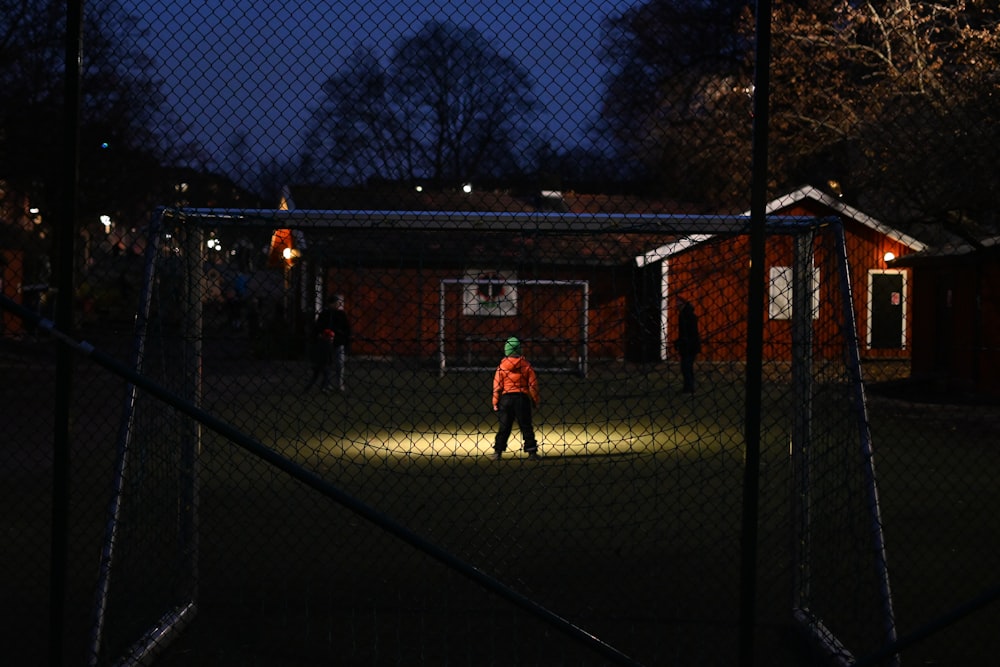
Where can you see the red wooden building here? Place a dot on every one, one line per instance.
(956, 316)
(691, 268)
(11, 282)
(393, 276)
(477, 268)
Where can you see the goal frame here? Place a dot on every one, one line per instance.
(583, 339)
(196, 221)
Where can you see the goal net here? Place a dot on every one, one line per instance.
(479, 312)
(148, 574)
(629, 525)
(841, 596)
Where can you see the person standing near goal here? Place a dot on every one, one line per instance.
(688, 343)
(333, 336)
(515, 393)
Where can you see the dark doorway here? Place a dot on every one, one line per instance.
(887, 311)
(643, 343)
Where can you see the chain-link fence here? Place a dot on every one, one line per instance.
(640, 333)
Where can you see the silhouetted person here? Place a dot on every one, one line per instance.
(332, 338)
(688, 343)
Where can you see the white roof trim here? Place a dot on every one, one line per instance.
(665, 251)
(834, 203)
(785, 201)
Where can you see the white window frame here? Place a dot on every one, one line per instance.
(779, 301)
(869, 298)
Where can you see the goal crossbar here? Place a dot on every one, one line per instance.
(540, 221)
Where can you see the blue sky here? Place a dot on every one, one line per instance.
(258, 65)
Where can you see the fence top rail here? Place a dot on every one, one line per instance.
(534, 221)
(515, 281)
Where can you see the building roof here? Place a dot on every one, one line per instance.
(809, 193)
(404, 225)
(807, 197)
(398, 198)
(948, 252)
(321, 198)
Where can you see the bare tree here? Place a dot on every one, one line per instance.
(446, 106)
(897, 101)
(126, 130)
(355, 133)
(678, 103)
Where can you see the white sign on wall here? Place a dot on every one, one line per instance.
(490, 294)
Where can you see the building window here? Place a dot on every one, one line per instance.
(780, 293)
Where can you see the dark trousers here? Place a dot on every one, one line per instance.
(511, 408)
(687, 371)
(323, 357)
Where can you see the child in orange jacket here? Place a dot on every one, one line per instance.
(515, 392)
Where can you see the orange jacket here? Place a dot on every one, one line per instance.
(515, 375)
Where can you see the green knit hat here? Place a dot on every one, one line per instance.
(513, 346)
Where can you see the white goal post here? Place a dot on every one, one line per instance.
(574, 345)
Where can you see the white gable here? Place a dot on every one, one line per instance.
(802, 194)
(835, 204)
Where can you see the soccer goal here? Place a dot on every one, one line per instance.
(633, 454)
(478, 313)
(841, 596)
(148, 572)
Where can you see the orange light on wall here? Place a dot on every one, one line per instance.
(282, 241)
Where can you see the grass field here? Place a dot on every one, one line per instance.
(629, 527)
(631, 517)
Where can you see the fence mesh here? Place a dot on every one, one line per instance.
(569, 173)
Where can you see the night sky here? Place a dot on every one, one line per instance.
(257, 65)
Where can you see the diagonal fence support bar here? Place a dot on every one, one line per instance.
(327, 489)
(867, 452)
